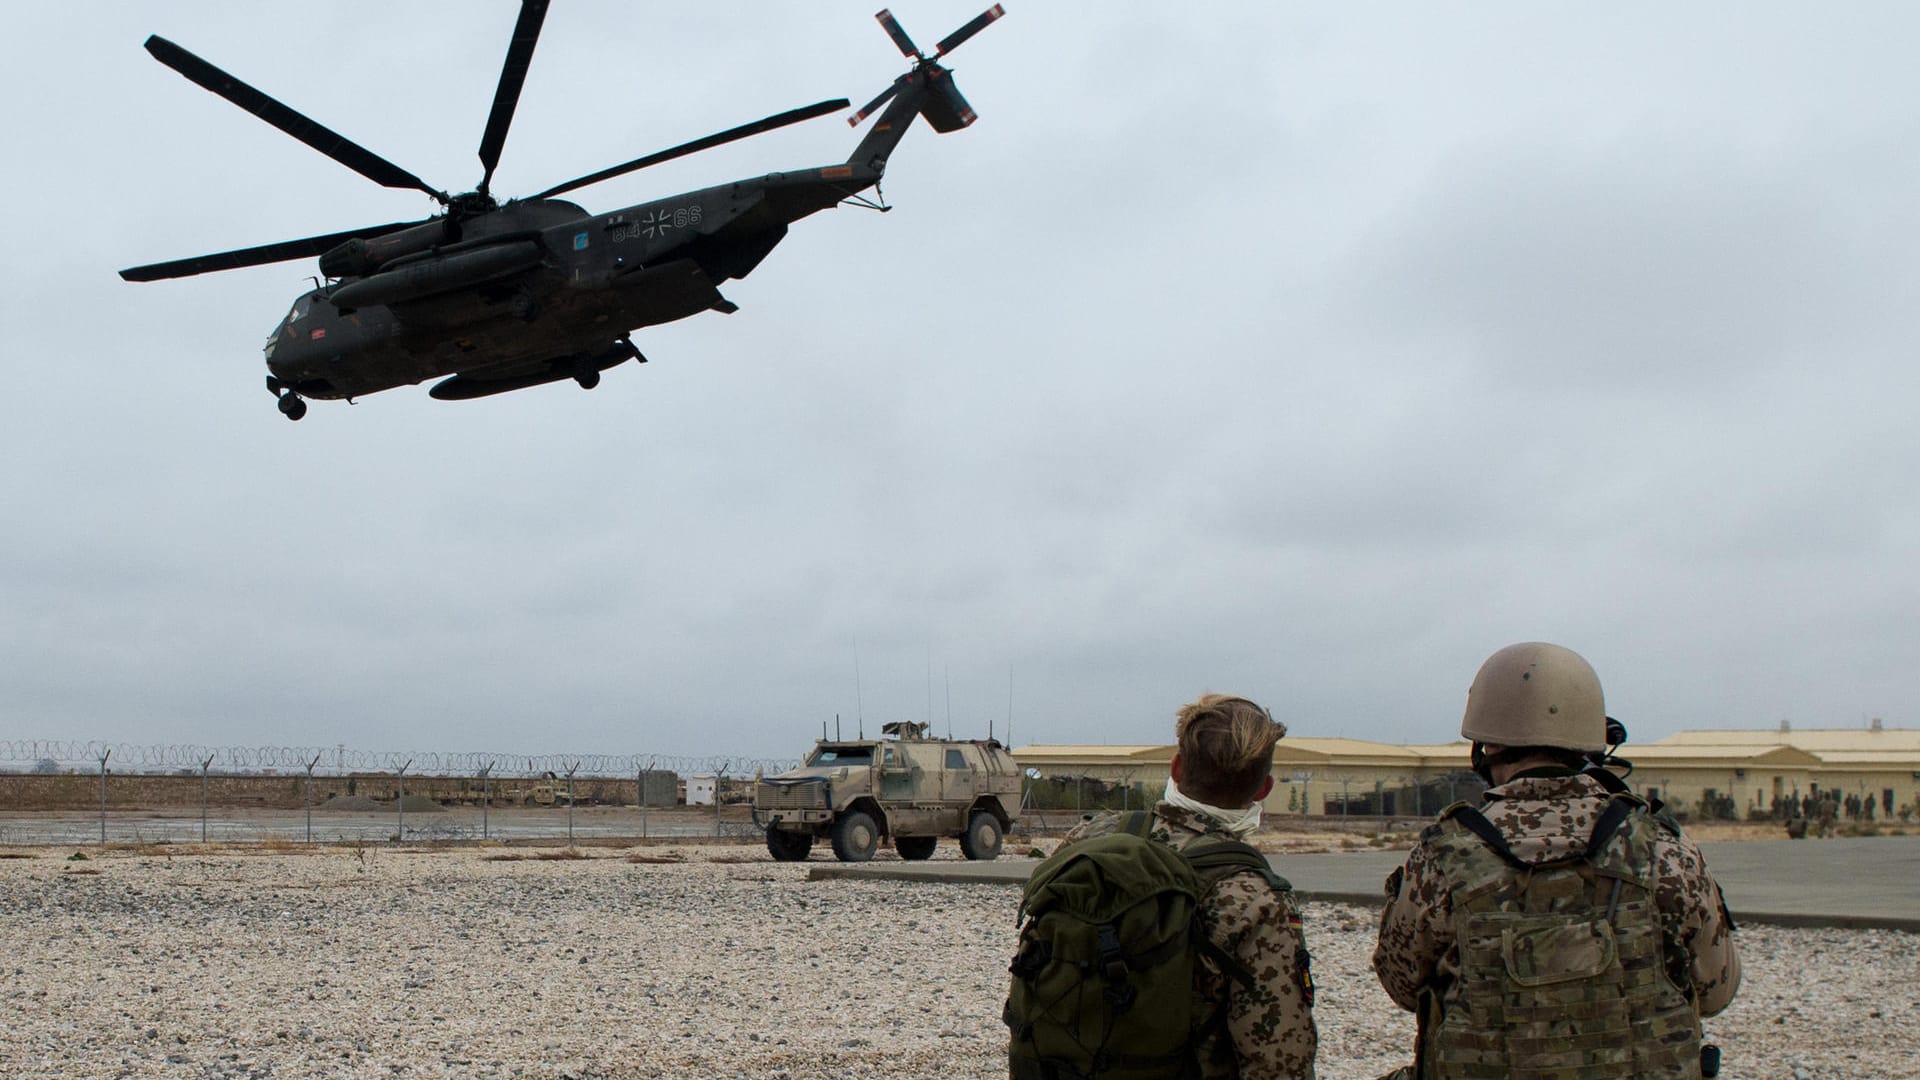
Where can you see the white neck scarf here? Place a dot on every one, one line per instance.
(1236, 822)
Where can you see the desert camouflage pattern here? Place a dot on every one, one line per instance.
(1269, 1031)
(1461, 921)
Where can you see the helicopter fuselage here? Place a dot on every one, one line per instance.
(534, 291)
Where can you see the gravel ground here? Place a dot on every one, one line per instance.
(461, 963)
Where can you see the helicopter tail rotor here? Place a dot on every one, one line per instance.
(928, 87)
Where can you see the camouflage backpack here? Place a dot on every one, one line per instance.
(1103, 977)
(1563, 965)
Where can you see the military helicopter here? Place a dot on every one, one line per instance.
(489, 296)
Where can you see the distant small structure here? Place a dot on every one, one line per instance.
(700, 790)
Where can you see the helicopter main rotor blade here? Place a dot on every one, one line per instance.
(780, 120)
(257, 256)
(331, 143)
(978, 23)
(868, 109)
(513, 75)
(899, 36)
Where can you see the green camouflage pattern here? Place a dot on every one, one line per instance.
(1521, 973)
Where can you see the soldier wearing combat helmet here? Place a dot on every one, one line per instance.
(1561, 928)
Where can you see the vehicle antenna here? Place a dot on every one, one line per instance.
(859, 707)
(1009, 704)
(946, 677)
(836, 727)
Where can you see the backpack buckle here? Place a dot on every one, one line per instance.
(1113, 967)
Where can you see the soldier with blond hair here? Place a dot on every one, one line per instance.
(1256, 969)
(1563, 927)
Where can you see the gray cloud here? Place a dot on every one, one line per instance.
(1288, 351)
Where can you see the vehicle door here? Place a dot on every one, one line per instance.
(896, 774)
(960, 782)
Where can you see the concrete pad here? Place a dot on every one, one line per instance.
(1853, 883)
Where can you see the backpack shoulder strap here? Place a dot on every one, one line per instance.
(1138, 823)
(1618, 809)
(1476, 823)
(1615, 815)
(1215, 860)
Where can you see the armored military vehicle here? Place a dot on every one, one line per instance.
(905, 787)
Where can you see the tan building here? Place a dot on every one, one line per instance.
(1874, 762)
(1310, 775)
(1695, 771)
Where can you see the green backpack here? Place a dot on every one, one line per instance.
(1103, 977)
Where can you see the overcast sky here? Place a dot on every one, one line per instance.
(1309, 353)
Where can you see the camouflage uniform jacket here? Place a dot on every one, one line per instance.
(1549, 817)
(1270, 1024)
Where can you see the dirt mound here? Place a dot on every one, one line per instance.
(351, 803)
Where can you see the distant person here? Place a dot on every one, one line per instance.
(1825, 811)
(1558, 908)
(1248, 982)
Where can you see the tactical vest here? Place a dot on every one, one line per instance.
(1564, 968)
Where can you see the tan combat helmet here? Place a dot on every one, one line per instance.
(1536, 694)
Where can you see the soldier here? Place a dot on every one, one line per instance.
(1559, 908)
(1222, 768)
(1827, 809)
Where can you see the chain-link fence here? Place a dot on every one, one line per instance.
(59, 792)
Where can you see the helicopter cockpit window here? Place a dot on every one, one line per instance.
(300, 309)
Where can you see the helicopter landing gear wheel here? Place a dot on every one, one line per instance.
(292, 405)
(588, 378)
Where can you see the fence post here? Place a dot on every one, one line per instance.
(570, 772)
(646, 771)
(204, 766)
(719, 782)
(310, 765)
(485, 799)
(103, 794)
(400, 800)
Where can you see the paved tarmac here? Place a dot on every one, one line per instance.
(1853, 882)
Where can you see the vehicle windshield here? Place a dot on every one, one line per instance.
(842, 755)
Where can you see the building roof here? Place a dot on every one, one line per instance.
(1305, 751)
(1708, 755)
(1817, 740)
(1041, 752)
(1850, 748)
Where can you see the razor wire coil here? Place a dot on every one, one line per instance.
(335, 760)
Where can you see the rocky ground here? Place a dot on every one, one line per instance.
(700, 961)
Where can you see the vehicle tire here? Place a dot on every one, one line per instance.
(915, 848)
(787, 846)
(854, 837)
(982, 838)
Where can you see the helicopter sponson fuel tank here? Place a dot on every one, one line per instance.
(487, 296)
